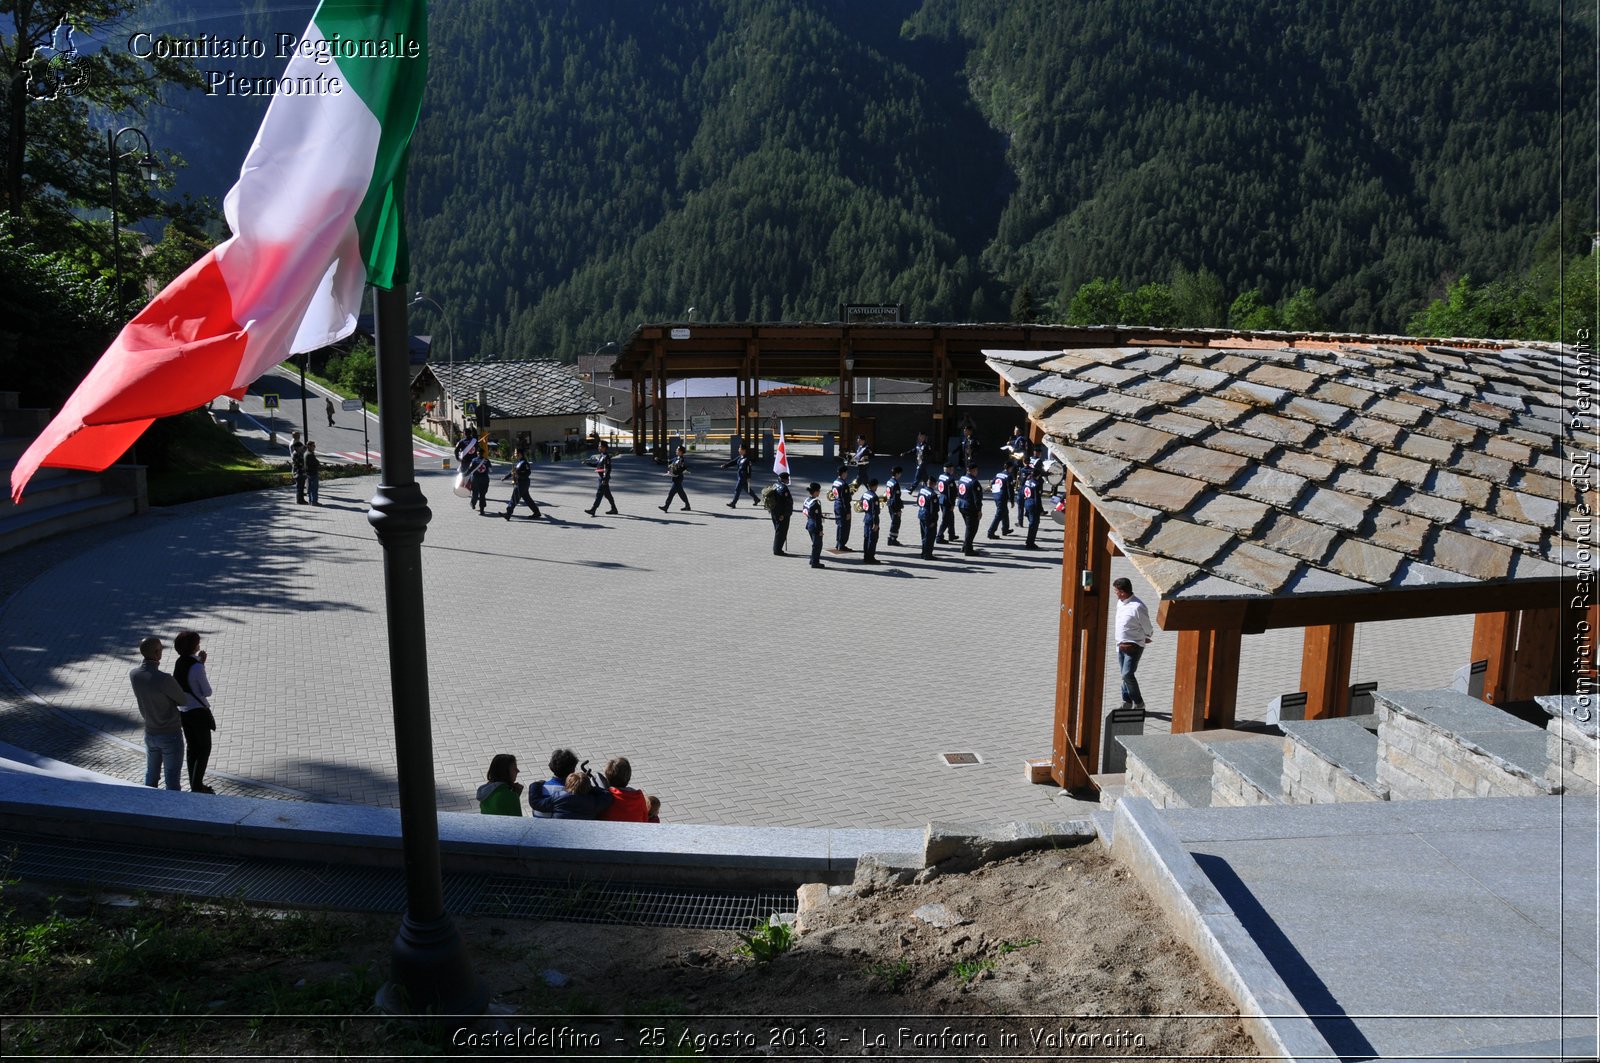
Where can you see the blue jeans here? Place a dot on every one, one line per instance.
(314, 490)
(163, 752)
(1128, 661)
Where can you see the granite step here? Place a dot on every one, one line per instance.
(1247, 769)
(1171, 771)
(1328, 761)
(21, 525)
(1435, 744)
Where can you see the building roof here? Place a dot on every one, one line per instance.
(1257, 468)
(516, 388)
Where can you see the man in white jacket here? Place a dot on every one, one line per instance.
(1134, 632)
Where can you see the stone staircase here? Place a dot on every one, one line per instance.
(58, 500)
(1419, 745)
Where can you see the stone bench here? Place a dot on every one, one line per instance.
(1436, 744)
(1246, 769)
(1329, 761)
(1172, 771)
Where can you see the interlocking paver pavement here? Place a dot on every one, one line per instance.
(745, 688)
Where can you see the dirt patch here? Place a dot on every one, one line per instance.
(1057, 949)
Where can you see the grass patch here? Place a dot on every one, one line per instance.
(197, 458)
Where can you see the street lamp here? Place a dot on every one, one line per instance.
(594, 375)
(149, 169)
(449, 331)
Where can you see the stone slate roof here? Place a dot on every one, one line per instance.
(1287, 467)
(517, 388)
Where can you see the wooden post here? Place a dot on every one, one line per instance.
(1494, 640)
(1205, 682)
(1538, 651)
(1081, 645)
(847, 385)
(1325, 670)
(1222, 686)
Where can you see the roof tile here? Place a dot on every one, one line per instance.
(1178, 424)
(1361, 483)
(1471, 556)
(1468, 489)
(1130, 523)
(1253, 394)
(1391, 410)
(1323, 413)
(1342, 449)
(1281, 376)
(1327, 506)
(1273, 487)
(1058, 387)
(1516, 453)
(1278, 429)
(1413, 472)
(1302, 464)
(1353, 398)
(1527, 509)
(1109, 376)
(1256, 566)
(1215, 410)
(1120, 404)
(1438, 510)
(1487, 527)
(1427, 448)
(1242, 515)
(1400, 531)
(1450, 428)
(1188, 542)
(1161, 391)
(1131, 441)
(1490, 468)
(1159, 489)
(1069, 422)
(1234, 443)
(1291, 535)
(1196, 377)
(1366, 562)
(1212, 466)
(1092, 467)
(1378, 433)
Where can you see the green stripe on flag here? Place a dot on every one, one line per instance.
(391, 87)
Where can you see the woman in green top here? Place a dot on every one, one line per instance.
(502, 794)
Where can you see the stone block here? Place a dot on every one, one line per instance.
(955, 847)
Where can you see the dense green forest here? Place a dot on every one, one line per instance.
(586, 165)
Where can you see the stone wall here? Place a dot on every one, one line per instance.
(1417, 761)
(1142, 782)
(1573, 757)
(1310, 780)
(1230, 789)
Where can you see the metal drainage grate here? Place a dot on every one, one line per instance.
(114, 866)
(956, 760)
(630, 903)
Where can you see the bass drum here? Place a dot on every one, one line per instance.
(463, 489)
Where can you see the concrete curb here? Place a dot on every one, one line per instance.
(1143, 843)
(665, 854)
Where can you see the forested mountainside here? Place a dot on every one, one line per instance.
(585, 165)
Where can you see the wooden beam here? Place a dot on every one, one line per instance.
(1325, 670)
(1222, 687)
(1537, 655)
(1080, 646)
(1494, 639)
(1262, 614)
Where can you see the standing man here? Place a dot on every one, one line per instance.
(297, 464)
(811, 508)
(742, 487)
(945, 485)
(840, 493)
(328, 402)
(921, 450)
(602, 467)
(678, 466)
(313, 466)
(195, 713)
(869, 523)
(782, 510)
(1018, 444)
(965, 451)
(929, 513)
(519, 475)
(969, 499)
(478, 469)
(894, 504)
(1031, 506)
(159, 697)
(1000, 494)
(1134, 633)
(861, 459)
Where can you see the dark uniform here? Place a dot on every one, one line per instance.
(894, 504)
(929, 513)
(840, 493)
(945, 485)
(1032, 505)
(742, 487)
(782, 509)
(519, 475)
(478, 471)
(677, 468)
(922, 450)
(861, 459)
(870, 504)
(602, 467)
(812, 509)
(969, 499)
(964, 451)
(1000, 493)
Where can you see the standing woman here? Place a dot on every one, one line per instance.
(313, 473)
(195, 713)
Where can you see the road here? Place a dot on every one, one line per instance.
(351, 438)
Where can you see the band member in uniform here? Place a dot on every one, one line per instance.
(894, 503)
(811, 508)
(840, 494)
(861, 458)
(922, 450)
(677, 467)
(1000, 494)
(742, 487)
(602, 468)
(870, 504)
(965, 450)
(945, 485)
(519, 474)
(929, 514)
(478, 470)
(969, 499)
(782, 509)
(1031, 506)
(1018, 443)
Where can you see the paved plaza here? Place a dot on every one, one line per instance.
(745, 688)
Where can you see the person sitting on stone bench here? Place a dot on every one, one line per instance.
(582, 800)
(563, 762)
(628, 805)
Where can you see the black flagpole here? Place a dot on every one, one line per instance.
(430, 971)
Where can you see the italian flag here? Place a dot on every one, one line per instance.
(315, 216)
